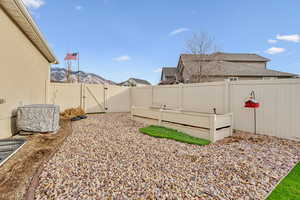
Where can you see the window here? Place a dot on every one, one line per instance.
(233, 78)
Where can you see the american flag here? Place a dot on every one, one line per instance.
(71, 56)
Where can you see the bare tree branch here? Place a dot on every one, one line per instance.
(204, 47)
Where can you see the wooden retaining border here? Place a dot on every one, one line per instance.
(208, 126)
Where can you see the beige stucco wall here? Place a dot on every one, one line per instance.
(23, 75)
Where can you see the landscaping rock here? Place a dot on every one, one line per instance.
(107, 158)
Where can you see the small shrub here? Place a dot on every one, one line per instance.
(72, 112)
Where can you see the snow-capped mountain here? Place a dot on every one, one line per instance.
(59, 75)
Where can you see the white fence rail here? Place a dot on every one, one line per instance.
(278, 115)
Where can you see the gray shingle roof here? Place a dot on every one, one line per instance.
(169, 71)
(224, 68)
(140, 81)
(226, 57)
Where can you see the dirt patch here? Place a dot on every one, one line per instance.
(16, 174)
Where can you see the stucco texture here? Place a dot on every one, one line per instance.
(24, 72)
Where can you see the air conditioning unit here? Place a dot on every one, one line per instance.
(41, 118)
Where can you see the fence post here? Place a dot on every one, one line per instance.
(82, 96)
(212, 127)
(181, 96)
(231, 124)
(132, 112)
(226, 96)
(152, 95)
(160, 116)
(130, 98)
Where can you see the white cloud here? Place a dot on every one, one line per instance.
(158, 70)
(33, 3)
(271, 41)
(78, 7)
(179, 30)
(275, 50)
(289, 38)
(122, 58)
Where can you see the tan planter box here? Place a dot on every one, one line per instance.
(201, 125)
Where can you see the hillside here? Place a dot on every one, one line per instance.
(59, 75)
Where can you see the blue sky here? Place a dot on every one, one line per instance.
(118, 39)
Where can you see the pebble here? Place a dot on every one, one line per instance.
(107, 158)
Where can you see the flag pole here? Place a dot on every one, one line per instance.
(78, 77)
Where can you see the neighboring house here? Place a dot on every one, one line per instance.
(135, 82)
(25, 60)
(168, 75)
(219, 66)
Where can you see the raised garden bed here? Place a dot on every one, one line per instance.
(207, 126)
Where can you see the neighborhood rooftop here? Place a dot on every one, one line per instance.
(169, 71)
(226, 57)
(224, 68)
(141, 81)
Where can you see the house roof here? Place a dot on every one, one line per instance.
(224, 68)
(140, 81)
(169, 71)
(136, 80)
(20, 15)
(232, 57)
(167, 82)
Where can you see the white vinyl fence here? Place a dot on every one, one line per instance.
(93, 98)
(278, 114)
(279, 111)
(190, 97)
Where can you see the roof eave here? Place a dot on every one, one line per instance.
(25, 22)
(236, 60)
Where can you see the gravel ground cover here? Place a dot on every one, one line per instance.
(16, 174)
(107, 158)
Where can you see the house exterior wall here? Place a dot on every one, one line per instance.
(262, 65)
(171, 78)
(242, 78)
(185, 76)
(214, 79)
(24, 73)
(163, 77)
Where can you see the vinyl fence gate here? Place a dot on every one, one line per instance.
(93, 98)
